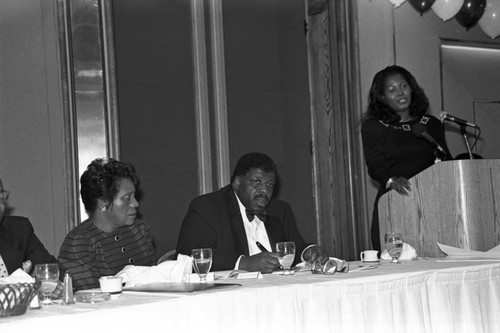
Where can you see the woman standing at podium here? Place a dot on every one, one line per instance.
(393, 153)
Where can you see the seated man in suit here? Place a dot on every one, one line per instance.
(242, 222)
(19, 246)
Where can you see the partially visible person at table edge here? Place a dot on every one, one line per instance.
(19, 245)
(112, 237)
(392, 152)
(242, 222)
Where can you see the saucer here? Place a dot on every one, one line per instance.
(92, 297)
(370, 261)
(115, 295)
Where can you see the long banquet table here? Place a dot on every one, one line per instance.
(416, 296)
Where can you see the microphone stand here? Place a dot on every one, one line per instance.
(464, 134)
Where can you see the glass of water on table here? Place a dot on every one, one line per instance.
(48, 274)
(286, 256)
(202, 262)
(394, 246)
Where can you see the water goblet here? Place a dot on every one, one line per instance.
(394, 246)
(48, 275)
(202, 262)
(286, 256)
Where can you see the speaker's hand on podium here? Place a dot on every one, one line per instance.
(399, 184)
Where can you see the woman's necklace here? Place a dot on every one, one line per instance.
(405, 127)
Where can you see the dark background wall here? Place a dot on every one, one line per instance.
(156, 109)
(32, 152)
(267, 100)
(268, 94)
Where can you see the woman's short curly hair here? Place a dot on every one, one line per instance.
(101, 181)
(377, 107)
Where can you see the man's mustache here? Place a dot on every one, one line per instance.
(264, 196)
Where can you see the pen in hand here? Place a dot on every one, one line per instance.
(261, 247)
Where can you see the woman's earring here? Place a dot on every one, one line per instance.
(103, 209)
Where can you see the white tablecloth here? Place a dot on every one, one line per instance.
(417, 296)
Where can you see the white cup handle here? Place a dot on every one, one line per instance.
(362, 255)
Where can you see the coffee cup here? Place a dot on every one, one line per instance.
(111, 285)
(369, 255)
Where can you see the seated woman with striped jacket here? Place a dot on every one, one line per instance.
(112, 237)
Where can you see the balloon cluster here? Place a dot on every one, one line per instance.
(486, 13)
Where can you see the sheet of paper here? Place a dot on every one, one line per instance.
(237, 274)
(457, 253)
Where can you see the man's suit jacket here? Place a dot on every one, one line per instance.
(19, 243)
(214, 221)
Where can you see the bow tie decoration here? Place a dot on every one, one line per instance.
(251, 216)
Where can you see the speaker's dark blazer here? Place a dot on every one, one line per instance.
(214, 221)
(19, 243)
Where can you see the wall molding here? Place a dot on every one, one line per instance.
(201, 97)
(219, 93)
(338, 172)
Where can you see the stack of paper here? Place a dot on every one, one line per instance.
(237, 274)
(456, 253)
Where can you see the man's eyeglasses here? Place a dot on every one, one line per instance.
(4, 195)
(332, 266)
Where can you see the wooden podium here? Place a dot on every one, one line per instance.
(455, 203)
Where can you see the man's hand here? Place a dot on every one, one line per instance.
(315, 253)
(27, 265)
(265, 262)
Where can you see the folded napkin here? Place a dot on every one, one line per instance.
(18, 276)
(168, 271)
(408, 253)
(457, 253)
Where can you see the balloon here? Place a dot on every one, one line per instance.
(470, 13)
(397, 3)
(421, 6)
(490, 21)
(447, 9)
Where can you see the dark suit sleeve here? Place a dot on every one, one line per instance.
(18, 243)
(200, 230)
(292, 232)
(196, 232)
(281, 226)
(36, 251)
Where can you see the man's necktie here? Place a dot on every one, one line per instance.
(251, 216)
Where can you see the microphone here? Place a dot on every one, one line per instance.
(445, 116)
(420, 131)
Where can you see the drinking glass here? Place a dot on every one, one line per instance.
(48, 274)
(394, 246)
(202, 262)
(286, 256)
